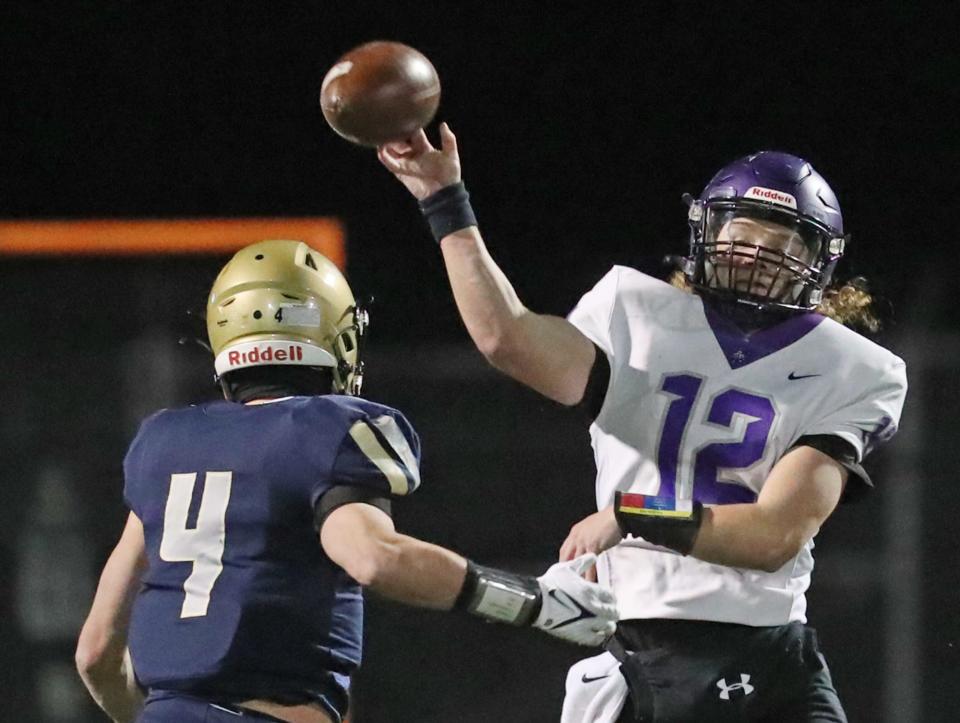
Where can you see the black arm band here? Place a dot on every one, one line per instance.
(659, 520)
(344, 495)
(597, 383)
(844, 454)
(499, 595)
(448, 210)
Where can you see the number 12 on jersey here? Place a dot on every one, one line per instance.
(749, 415)
(203, 544)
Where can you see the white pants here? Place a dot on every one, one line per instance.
(596, 691)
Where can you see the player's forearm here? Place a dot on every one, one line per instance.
(103, 663)
(414, 572)
(799, 495)
(101, 657)
(544, 352)
(486, 299)
(747, 536)
(112, 685)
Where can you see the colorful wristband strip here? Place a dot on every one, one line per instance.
(663, 521)
(634, 504)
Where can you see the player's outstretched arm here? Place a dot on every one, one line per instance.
(102, 657)
(545, 352)
(362, 540)
(801, 491)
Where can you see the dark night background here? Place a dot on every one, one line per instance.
(579, 128)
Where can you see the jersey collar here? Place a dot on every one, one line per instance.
(742, 348)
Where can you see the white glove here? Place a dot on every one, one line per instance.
(573, 609)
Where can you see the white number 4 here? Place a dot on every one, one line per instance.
(202, 545)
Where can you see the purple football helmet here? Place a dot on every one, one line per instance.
(766, 232)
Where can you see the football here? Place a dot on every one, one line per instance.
(379, 92)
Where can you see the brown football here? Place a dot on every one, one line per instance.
(379, 92)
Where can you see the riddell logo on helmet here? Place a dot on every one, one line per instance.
(278, 351)
(261, 354)
(768, 194)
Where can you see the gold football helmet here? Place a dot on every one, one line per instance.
(282, 302)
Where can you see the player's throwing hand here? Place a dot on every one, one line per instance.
(573, 609)
(419, 166)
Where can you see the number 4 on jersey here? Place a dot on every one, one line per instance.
(203, 544)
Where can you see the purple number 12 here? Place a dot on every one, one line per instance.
(711, 458)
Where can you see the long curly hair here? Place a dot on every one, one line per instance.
(850, 303)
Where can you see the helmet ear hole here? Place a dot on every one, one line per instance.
(308, 261)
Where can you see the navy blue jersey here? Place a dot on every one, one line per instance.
(239, 600)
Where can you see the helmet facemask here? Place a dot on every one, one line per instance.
(766, 233)
(758, 255)
(347, 348)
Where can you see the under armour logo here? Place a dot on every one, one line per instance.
(743, 685)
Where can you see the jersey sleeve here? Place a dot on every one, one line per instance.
(593, 312)
(133, 466)
(872, 417)
(379, 452)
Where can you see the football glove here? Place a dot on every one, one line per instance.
(574, 609)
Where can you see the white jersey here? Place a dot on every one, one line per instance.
(698, 410)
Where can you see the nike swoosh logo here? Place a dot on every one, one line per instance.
(572, 605)
(793, 376)
(585, 679)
